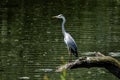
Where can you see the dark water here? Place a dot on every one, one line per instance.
(32, 43)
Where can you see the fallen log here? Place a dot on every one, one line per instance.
(110, 63)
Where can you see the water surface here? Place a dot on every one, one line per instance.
(32, 43)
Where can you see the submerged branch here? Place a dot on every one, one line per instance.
(100, 60)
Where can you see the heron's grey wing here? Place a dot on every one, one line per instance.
(70, 42)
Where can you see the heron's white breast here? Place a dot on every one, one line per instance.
(66, 38)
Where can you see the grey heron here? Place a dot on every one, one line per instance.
(69, 41)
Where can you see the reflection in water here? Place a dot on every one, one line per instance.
(44, 70)
(114, 54)
(24, 78)
(31, 40)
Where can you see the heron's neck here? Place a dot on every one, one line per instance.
(63, 28)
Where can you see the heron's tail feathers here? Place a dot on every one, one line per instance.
(76, 54)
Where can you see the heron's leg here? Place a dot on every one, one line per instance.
(70, 55)
(70, 60)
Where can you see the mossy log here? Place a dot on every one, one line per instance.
(99, 60)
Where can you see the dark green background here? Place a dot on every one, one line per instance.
(32, 42)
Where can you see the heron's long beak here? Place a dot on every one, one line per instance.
(54, 17)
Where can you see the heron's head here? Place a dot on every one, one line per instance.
(60, 16)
